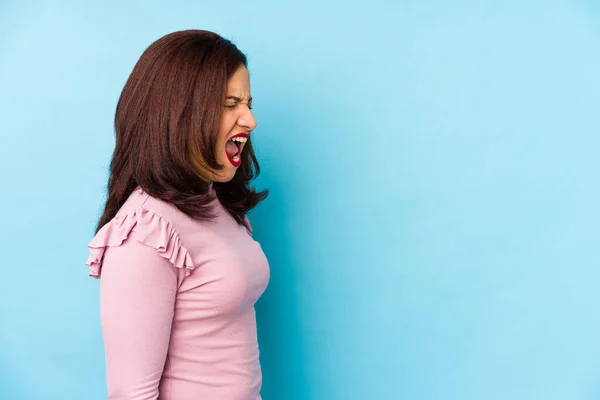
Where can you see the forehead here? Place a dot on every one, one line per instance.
(239, 83)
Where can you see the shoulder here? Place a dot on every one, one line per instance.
(152, 223)
(185, 225)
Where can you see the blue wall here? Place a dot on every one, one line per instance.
(433, 224)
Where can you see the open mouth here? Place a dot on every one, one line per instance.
(234, 148)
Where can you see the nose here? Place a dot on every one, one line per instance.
(247, 120)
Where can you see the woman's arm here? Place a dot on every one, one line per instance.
(137, 299)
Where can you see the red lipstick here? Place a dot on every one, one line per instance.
(234, 154)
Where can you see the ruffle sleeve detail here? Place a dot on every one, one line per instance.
(149, 229)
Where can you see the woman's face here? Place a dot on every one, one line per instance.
(236, 124)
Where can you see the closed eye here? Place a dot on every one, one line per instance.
(231, 107)
(237, 101)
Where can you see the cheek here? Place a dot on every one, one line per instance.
(227, 123)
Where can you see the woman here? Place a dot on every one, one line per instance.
(179, 271)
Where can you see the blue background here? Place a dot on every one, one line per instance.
(433, 224)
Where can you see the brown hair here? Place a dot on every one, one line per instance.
(170, 110)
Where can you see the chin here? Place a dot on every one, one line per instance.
(225, 176)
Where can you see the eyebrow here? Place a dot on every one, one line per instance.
(237, 98)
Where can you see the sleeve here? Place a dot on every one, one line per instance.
(141, 261)
(137, 297)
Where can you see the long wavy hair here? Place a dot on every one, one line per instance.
(170, 110)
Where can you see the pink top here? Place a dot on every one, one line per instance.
(177, 303)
